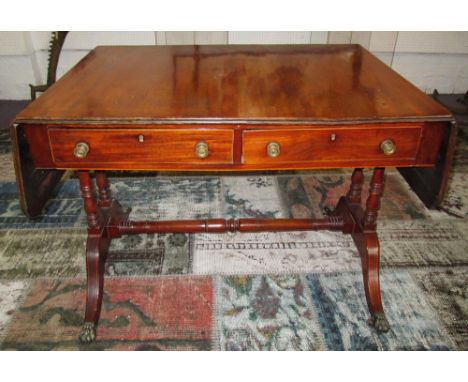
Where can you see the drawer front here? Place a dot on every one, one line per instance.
(140, 147)
(330, 146)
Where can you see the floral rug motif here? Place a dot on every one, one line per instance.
(168, 313)
(308, 195)
(265, 313)
(251, 197)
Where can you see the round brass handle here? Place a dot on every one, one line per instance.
(81, 150)
(201, 149)
(388, 147)
(273, 149)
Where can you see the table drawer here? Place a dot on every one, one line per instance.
(333, 146)
(141, 147)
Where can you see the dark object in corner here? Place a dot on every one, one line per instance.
(458, 106)
(430, 184)
(34, 186)
(55, 47)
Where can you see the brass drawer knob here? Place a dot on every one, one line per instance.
(81, 150)
(388, 147)
(273, 149)
(201, 149)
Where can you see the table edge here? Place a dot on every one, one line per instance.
(233, 121)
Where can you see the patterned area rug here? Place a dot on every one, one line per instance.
(273, 291)
(456, 200)
(259, 291)
(137, 314)
(4, 141)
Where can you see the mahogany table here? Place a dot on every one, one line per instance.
(227, 108)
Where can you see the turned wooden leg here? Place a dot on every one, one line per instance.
(89, 201)
(369, 249)
(103, 188)
(373, 200)
(96, 251)
(354, 194)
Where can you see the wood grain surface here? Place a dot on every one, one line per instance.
(234, 147)
(123, 146)
(330, 145)
(232, 84)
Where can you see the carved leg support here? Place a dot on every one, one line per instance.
(96, 252)
(370, 253)
(362, 227)
(94, 259)
(99, 214)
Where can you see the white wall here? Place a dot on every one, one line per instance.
(428, 59)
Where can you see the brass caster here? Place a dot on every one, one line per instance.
(126, 210)
(88, 332)
(379, 322)
(328, 211)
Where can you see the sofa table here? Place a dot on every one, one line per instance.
(226, 108)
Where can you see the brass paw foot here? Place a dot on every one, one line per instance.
(88, 332)
(126, 210)
(328, 211)
(379, 322)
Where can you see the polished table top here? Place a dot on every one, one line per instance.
(232, 84)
